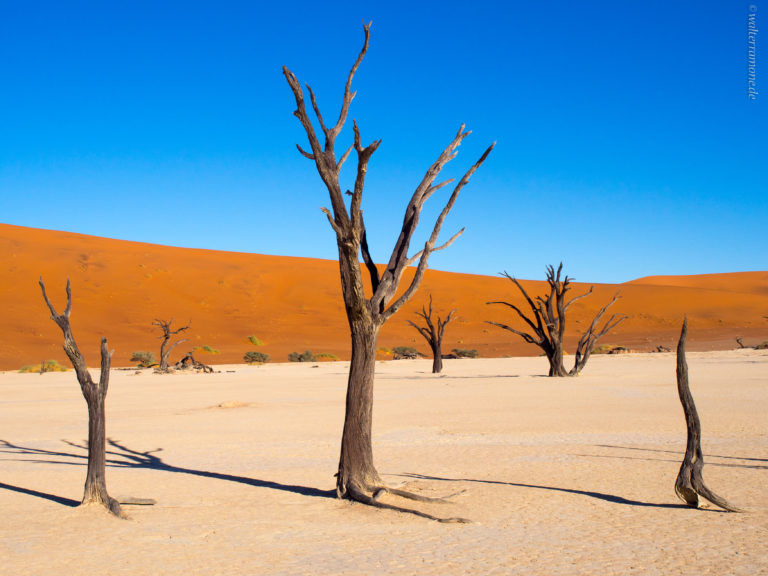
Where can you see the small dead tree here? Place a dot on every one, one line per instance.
(433, 334)
(548, 322)
(357, 477)
(95, 395)
(690, 481)
(166, 347)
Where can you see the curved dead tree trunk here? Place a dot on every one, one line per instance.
(547, 322)
(357, 477)
(433, 334)
(95, 394)
(690, 481)
(166, 347)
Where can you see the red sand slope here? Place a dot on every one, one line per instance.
(293, 304)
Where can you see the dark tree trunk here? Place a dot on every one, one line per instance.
(95, 395)
(554, 355)
(357, 472)
(690, 481)
(437, 358)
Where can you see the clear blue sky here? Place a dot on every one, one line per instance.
(627, 144)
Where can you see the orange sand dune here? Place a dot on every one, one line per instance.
(294, 304)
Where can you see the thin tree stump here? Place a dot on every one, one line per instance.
(690, 482)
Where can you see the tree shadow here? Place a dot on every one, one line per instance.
(679, 454)
(598, 495)
(52, 497)
(120, 456)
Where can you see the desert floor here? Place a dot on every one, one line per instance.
(561, 476)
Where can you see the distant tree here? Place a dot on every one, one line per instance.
(690, 481)
(433, 334)
(166, 347)
(547, 323)
(357, 477)
(95, 395)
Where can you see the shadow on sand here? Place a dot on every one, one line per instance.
(120, 456)
(599, 495)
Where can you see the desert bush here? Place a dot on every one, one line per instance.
(253, 357)
(305, 356)
(144, 358)
(48, 366)
(208, 349)
(407, 352)
(327, 356)
(762, 346)
(461, 353)
(602, 349)
(255, 341)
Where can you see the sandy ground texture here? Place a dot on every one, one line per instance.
(561, 476)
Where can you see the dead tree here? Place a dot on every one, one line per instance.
(166, 347)
(690, 482)
(95, 395)
(547, 322)
(357, 477)
(433, 334)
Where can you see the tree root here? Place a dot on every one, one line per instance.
(355, 493)
(381, 490)
(690, 486)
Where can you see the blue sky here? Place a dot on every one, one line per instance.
(627, 144)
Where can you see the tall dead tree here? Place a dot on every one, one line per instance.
(357, 477)
(547, 322)
(690, 481)
(95, 394)
(433, 334)
(166, 347)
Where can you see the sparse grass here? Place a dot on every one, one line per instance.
(253, 357)
(255, 341)
(327, 357)
(48, 366)
(144, 358)
(208, 349)
(462, 353)
(305, 356)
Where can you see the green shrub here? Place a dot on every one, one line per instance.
(305, 356)
(762, 346)
(255, 341)
(326, 356)
(406, 352)
(460, 353)
(253, 357)
(145, 359)
(208, 349)
(48, 366)
(602, 349)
